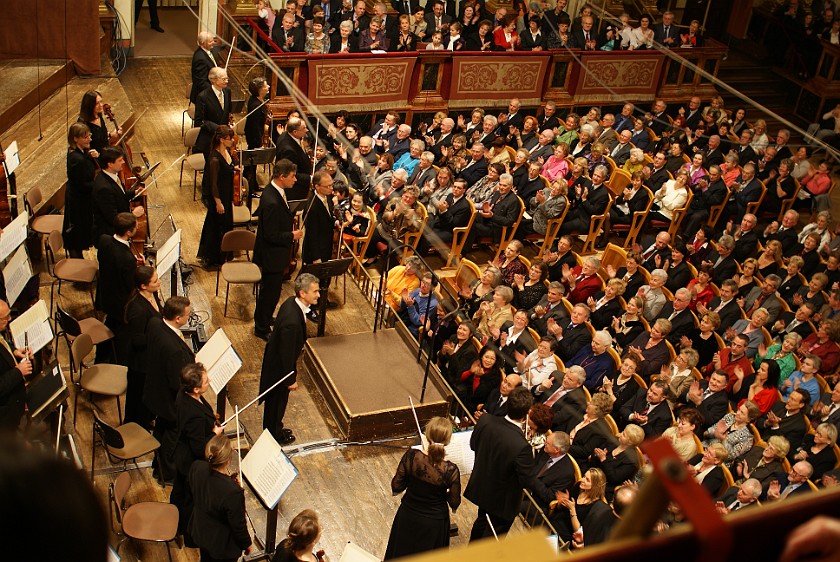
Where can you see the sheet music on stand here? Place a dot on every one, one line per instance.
(458, 451)
(354, 553)
(13, 235)
(220, 360)
(268, 470)
(34, 323)
(12, 157)
(17, 274)
(168, 254)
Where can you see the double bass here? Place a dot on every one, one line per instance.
(130, 177)
(7, 188)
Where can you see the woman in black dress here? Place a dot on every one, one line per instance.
(217, 196)
(90, 113)
(255, 125)
(430, 483)
(142, 306)
(196, 425)
(299, 545)
(474, 385)
(217, 524)
(81, 169)
(528, 290)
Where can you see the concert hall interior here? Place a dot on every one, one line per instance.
(554, 236)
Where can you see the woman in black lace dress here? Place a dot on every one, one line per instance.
(217, 196)
(430, 483)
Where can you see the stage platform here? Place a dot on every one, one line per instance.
(26, 82)
(367, 378)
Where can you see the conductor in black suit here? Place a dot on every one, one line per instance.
(289, 147)
(116, 279)
(503, 466)
(12, 389)
(203, 61)
(273, 246)
(212, 108)
(281, 354)
(166, 355)
(109, 196)
(319, 222)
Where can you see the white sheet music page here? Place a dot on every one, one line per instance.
(458, 451)
(35, 323)
(268, 469)
(220, 360)
(13, 235)
(355, 553)
(16, 274)
(169, 253)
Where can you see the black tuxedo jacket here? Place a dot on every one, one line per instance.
(573, 340)
(200, 69)
(595, 204)
(138, 312)
(568, 410)
(273, 246)
(560, 476)
(319, 221)
(577, 39)
(681, 325)
(712, 157)
(284, 346)
(745, 246)
(788, 238)
(335, 43)
(218, 519)
(503, 466)
(474, 172)
(558, 313)
(657, 178)
(713, 408)
(530, 187)
(729, 314)
(108, 200)
(116, 276)
(456, 216)
(12, 391)
(279, 35)
(195, 423)
(659, 35)
(705, 200)
(746, 154)
(492, 405)
(692, 119)
(726, 269)
(166, 355)
(602, 317)
(400, 6)
(289, 148)
(791, 428)
(596, 435)
(658, 420)
(641, 139)
(209, 115)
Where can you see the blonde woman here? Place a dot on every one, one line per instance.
(671, 196)
(494, 313)
(586, 507)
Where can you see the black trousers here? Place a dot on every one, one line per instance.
(166, 432)
(270, 288)
(153, 15)
(481, 529)
(274, 409)
(135, 410)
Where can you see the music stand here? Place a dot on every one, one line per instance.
(325, 272)
(254, 157)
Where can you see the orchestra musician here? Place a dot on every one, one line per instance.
(117, 264)
(12, 373)
(203, 61)
(255, 124)
(319, 223)
(289, 146)
(217, 196)
(196, 424)
(109, 194)
(90, 113)
(299, 544)
(81, 171)
(212, 108)
(143, 305)
(218, 524)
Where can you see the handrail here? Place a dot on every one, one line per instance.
(276, 48)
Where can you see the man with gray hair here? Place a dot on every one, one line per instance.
(565, 396)
(764, 297)
(400, 143)
(680, 315)
(723, 264)
(739, 497)
(281, 354)
(444, 139)
(423, 174)
(544, 147)
(502, 210)
(554, 471)
(408, 161)
(476, 168)
(202, 61)
(289, 147)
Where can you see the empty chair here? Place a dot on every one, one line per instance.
(44, 224)
(71, 328)
(125, 443)
(238, 271)
(144, 521)
(74, 270)
(194, 160)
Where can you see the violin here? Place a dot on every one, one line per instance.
(321, 555)
(239, 194)
(129, 176)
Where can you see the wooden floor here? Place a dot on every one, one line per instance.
(349, 487)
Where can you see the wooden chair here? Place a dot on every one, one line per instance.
(728, 481)
(195, 160)
(44, 224)
(613, 255)
(698, 444)
(615, 357)
(190, 110)
(618, 181)
(143, 521)
(636, 222)
(74, 270)
(459, 237)
(466, 273)
(596, 222)
(753, 207)
(717, 210)
(612, 425)
(757, 439)
(359, 244)
(237, 271)
(824, 388)
(787, 204)
(640, 381)
(70, 328)
(412, 238)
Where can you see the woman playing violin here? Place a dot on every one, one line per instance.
(81, 169)
(299, 544)
(90, 113)
(217, 196)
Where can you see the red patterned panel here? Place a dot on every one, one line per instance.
(499, 77)
(370, 82)
(605, 74)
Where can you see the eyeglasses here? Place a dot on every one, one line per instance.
(793, 472)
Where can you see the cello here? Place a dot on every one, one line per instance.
(129, 176)
(7, 187)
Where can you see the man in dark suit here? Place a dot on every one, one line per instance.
(794, 323)
(424, 172)
(501, 211)
(657, 119)
(12, 373)
(289, 38)
(793, 483)
(666, 32)
(586, 38)
(549, 119)
(384, 131)
(693, 114)
(640, 138)
(400, 143)
(503, 466)
(572, 336)
(475, 168)
(496, 404)
(786, 233)
(725, 306)
(594, 201)
(739, 497)
(723, 264)
(648, 409)
(744, 151)
(288, 147)
(407, 7)
(109, 197)
(343, 13)
(212, 108)
(712, 154)
(167, 354)
(710, 399)
(710, 191)
(655, 173)
(116, 279)
(544, 147)
(436, 19)
(447, 126)
(273, 246)
(203, 61)
(680, 315)
(620, 153)
(281, 354)
(788, 420)
(660, 247)
(319, 221)
(453, 212)
(745, 236)
(827, 409)
(550, 307)
(565, 397)
(554, 471)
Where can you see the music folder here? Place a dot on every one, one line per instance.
(268, 470)
(46, 391)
